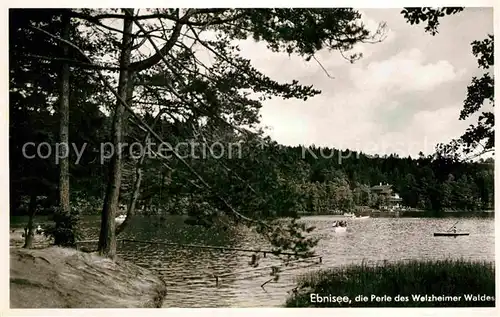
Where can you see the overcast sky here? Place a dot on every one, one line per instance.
(403, 96)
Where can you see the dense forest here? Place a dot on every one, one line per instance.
(308, 179)
(69, 125)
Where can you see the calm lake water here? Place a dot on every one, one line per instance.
(189, 273)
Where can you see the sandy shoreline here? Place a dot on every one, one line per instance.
(57, 277)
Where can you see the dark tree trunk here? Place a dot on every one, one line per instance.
(63, 220)
(138, 178)
(29, 231)
(162, 184)
(133, 200)
(107, 237)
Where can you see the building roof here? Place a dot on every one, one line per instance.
(381, 187)
(393, 198)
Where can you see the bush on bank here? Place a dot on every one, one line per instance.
(443, 283)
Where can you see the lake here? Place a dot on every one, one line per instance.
(189, 273)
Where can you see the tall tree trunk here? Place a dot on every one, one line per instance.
(63, 223)
(133, 199)
(107, 236)
(138, 178)
(162, 184)
(29, 232)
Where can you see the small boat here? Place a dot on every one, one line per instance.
(120, 219)
(450, 234)
(339, 229)
(361, 217)
(339, 226)
(349, 214)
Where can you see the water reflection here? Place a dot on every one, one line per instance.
(189, 273)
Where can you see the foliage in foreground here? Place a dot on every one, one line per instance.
(406, 279)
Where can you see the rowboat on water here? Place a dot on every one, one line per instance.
(450, 234)
(339, 229)
(339, 226)
(361, 217)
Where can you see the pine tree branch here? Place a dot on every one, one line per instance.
(215, 21)
(148, 62)
(322, 67)
(168, 85)
(153, 133)
(73, 62)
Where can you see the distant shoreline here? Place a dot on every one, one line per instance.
(413, 213)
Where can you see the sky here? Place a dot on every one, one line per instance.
(404, 96)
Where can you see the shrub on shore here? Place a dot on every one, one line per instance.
(441, 283)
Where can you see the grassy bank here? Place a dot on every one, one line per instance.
(371, 286)
(66, 278)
